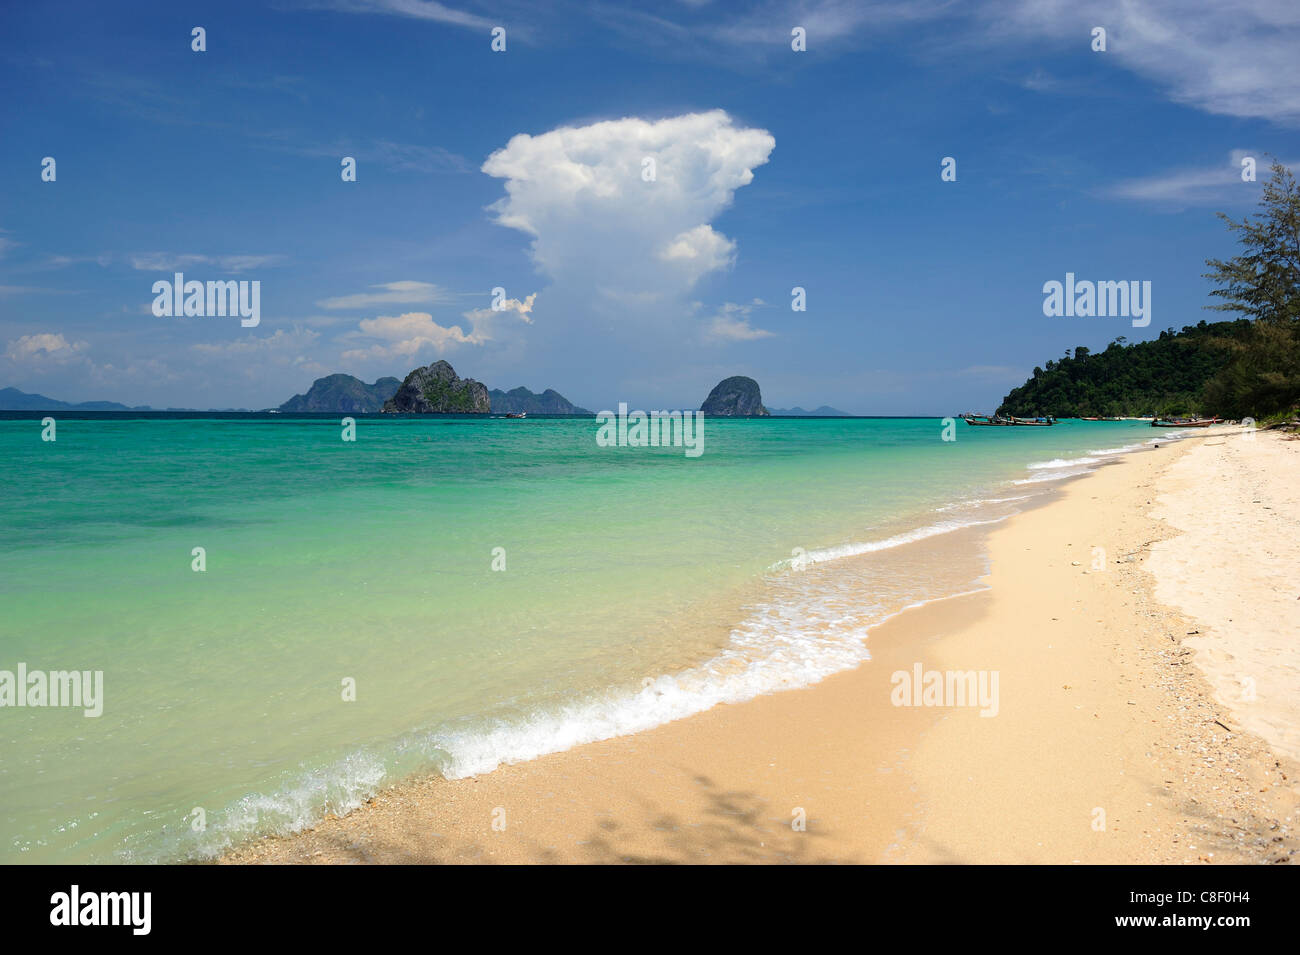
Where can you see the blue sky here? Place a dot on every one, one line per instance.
(522, 170)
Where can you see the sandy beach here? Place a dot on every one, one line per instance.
(1144, 630)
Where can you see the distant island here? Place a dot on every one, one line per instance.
(521, 400)
(350, 395)
(825, 411)
(11, 399)
(437, 389)
(344, 393)
(737, 396)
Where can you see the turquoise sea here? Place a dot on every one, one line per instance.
(493, 589)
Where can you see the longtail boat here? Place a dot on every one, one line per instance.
(983, 420)
(1184, 422)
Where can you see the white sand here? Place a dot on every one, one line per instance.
(1235, 568)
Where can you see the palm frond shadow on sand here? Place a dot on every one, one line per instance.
(733, 827)
(736, 827)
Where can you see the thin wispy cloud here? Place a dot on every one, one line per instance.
(66, 261)
(50, 263)
(281, 341)
(1233, 57)
(171, 262)
(146, 99)
(139, 97)
(429, 10)
(417, 158)
(33, 290)
(1040, 81)
(295, 86)
(286, 353)
(754, 32)
(825, 21)
(392, 293)
(390, 154)
(1205, 185)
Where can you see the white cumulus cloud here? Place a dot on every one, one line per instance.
(405, 336)
(731, 324)
(412, 334)
(599, 226)
(43, 347)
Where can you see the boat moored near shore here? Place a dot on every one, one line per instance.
(982, 420)
(1184, 422)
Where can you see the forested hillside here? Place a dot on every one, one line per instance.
(1165, 376)
(1246, 368)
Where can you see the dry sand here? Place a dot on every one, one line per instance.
(1235, 568)
(1107, 745)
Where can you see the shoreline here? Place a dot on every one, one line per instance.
(1096, 714)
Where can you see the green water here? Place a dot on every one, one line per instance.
(639, 585)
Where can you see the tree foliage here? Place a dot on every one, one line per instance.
(1248, 367)
(1262, 375)
(1165, 376)
(1263, 283)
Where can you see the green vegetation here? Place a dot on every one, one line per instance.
(1262, 375)
(1165, 376)
(343, 393)
(1248, 367)
(455, 398)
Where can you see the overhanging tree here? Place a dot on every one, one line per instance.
(1263, 283)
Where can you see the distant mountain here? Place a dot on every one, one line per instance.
(343, 393)
(11, 399)
(521, 399)
(437, 389)
(825, 411)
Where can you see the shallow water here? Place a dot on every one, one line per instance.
(639, 585)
